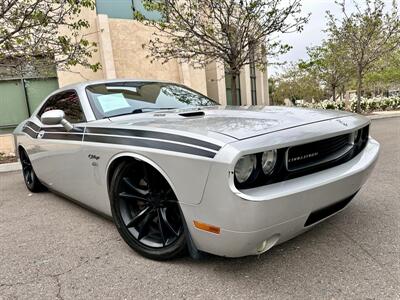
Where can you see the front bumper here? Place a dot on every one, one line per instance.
(254, 220)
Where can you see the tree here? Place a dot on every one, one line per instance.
(236, 33)
(385, 75)
(369, 34)
(329, 64)
(272, 82)
(297, 84)
(31, 29)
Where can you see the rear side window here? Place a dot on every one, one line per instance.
(68, 102)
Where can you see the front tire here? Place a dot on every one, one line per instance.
(146, 211)
(31, 181)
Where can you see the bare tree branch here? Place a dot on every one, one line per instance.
(234, 32)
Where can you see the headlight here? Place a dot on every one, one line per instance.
(268, 161)
(245, 167)
(355, 137)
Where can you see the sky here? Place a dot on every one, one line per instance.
(313, 33)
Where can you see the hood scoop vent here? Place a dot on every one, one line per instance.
(193, 114)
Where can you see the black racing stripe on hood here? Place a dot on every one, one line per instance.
(154, 135)
(169, 146)
(59, 133)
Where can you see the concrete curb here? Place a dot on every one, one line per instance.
(382, 116)
(10, 167)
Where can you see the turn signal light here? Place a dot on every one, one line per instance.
(207, 227)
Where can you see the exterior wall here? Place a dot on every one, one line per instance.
(262, 88)
(216, 88)
(132, 61)
(265, 84)
(121, 55)
(127, 38)
(195, 78)
(79, 73)
(105, 47)
(245, 86)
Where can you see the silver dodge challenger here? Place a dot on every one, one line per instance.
(177, 172)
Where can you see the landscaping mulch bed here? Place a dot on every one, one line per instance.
(7, 159)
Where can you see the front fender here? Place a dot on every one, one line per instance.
(187, 176)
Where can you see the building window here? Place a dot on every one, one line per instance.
(123, 9)
(229, 89)
(253, 84)
(118, 9)
(149, 15)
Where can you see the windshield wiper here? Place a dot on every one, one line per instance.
(140, 110)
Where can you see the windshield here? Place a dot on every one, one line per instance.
(122, 98)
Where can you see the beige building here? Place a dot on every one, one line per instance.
(120, 52)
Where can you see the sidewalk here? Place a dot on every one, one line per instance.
(16, 166)
(384, 114)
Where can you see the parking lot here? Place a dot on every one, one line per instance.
(51, 248)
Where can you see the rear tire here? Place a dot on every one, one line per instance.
(31, 181)
(146, 211)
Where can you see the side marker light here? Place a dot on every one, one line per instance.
(207, 227)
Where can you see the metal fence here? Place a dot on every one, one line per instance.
(20, 97)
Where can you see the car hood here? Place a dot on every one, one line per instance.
(235, 122)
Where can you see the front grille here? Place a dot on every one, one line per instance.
(313, 154)
(304, 159)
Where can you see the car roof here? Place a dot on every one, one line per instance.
(103, 81)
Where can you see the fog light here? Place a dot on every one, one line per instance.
(262, 247)
(268, 244)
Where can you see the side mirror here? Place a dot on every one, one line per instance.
(56, 117)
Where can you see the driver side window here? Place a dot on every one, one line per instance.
(68, 102)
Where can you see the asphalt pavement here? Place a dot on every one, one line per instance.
(51, 248)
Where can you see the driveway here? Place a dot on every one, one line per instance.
(51, 248)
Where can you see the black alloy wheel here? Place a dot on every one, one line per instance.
(31, 181)
(146, 211)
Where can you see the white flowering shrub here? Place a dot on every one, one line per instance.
(377, 104)
(367, 105)
(326, 104)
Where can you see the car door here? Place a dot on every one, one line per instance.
(57, 150)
